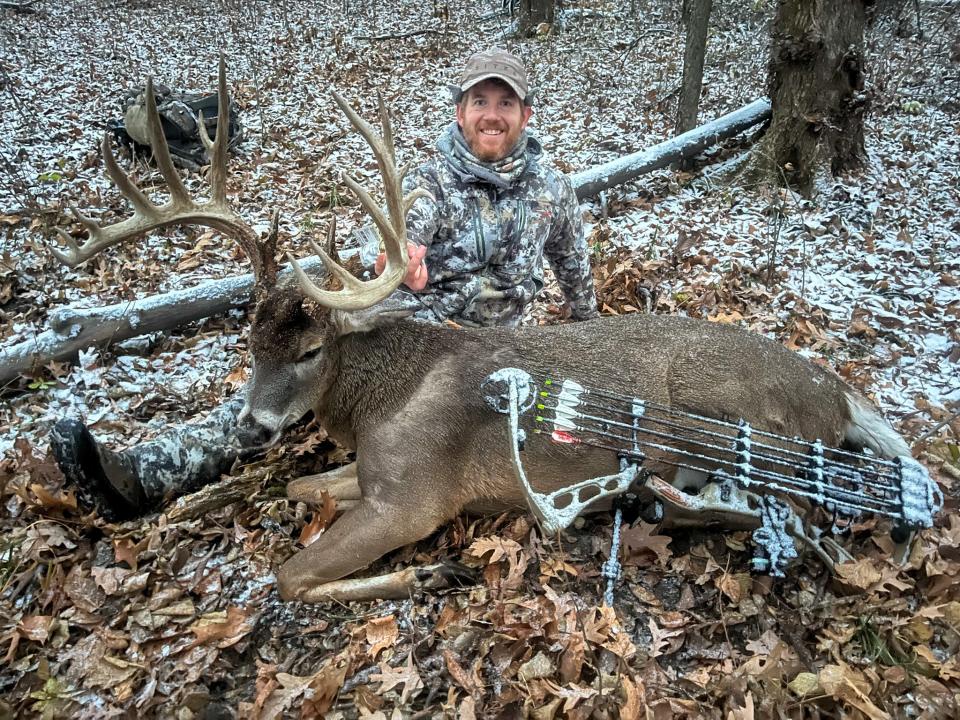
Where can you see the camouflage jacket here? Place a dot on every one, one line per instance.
(487, 235)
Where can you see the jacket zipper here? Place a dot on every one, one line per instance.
(478, 232)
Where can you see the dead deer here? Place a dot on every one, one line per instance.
(414, 399)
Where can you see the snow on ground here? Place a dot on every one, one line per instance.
(875, 255)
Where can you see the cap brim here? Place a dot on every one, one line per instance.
(489, 76)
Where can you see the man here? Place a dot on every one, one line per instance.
(476, 258)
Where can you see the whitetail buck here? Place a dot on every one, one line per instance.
(435, 420)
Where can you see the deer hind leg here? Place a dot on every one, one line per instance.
(362, 535)
(340, 482)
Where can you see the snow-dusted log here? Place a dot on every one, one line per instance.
(75, 329)
(616, 172)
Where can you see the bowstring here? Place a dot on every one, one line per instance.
(596, 430)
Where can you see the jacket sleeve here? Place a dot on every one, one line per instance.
(423, 220)
(566, 250)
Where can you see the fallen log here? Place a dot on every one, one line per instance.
(686, 145)
(73, 329)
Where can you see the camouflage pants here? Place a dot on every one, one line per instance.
(185, 457)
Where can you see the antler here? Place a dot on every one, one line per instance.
(181, 208)
(357, 294)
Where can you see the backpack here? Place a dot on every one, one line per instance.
(180, 119)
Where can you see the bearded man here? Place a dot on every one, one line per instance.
(477, 247)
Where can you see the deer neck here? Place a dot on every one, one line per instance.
(373, 374)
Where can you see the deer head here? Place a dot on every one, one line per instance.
(294, 327)
(294, 324)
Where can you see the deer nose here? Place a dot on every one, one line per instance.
(252, 431)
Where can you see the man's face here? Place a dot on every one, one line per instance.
(492, 118)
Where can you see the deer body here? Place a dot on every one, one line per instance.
(407, 397)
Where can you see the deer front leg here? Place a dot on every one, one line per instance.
(341, 483)
(362, 535)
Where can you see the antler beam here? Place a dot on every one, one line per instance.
(181, 209)
(357, 294)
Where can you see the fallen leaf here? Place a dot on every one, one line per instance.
(764, 644)
(62, 500)
(734, 585)
(572, 658)
(660, 639)
(289, 688)
(641, 547)
(324, 688)
(381, 633)
(111, 672)
(35, 627)
(237, 377)
(861, 574)
(119, 581)
(406, 676)
(634, 698)
(126, 550)
(458, 673)
(310, 443)
(499, 549)
(222, 628)
(467, 709)
(320, 521)
(571, 694)
(850, 687)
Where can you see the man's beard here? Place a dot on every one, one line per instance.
(491, 153)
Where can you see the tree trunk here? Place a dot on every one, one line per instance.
(815, 84)
(533, 13)
(696, 14)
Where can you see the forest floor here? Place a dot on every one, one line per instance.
(182, 619)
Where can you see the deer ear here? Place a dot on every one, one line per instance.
(392, 310)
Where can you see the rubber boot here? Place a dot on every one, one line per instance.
(102, 480)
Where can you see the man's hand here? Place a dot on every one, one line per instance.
(416, 277)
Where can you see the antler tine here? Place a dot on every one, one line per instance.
(181, 208)
(393, 191)
(357, 295)
(218, 149)
(161, 152)
(386, 128)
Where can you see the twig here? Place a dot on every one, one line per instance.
(953, 416)
(398, 36)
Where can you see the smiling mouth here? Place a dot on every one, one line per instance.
(491, 133)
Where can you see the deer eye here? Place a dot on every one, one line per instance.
(311, 354)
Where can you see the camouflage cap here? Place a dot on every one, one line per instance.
(494, 63)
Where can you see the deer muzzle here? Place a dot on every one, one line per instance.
(261, 428)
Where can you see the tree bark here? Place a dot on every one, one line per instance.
(533, 13)
(816, 87)
(696, 15)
